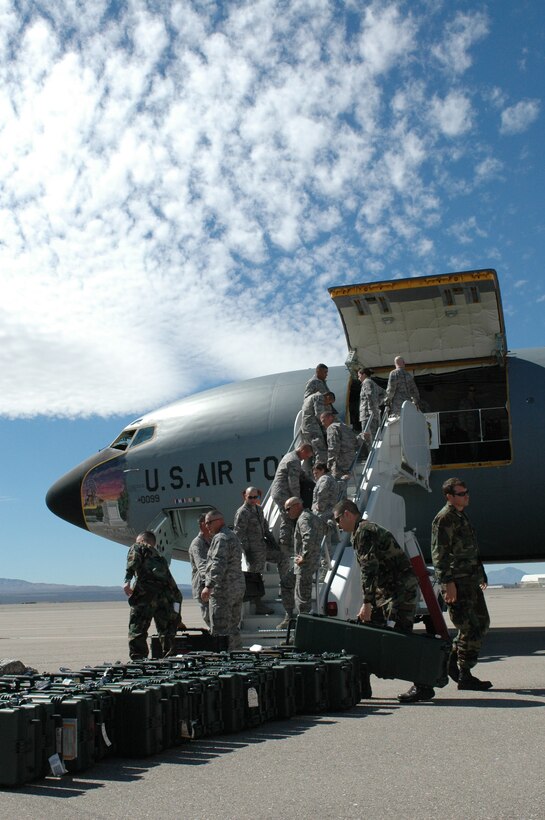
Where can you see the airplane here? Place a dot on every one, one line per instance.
(483, 406)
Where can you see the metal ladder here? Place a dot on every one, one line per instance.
(387, 465)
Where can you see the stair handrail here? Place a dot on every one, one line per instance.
(344, 541)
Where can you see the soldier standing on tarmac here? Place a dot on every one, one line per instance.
(250, 527)
(390, 587)
(307, 539)
(198, 553)
(155, 594)
(455, 556)
(224, 580)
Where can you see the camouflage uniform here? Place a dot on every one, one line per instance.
(371, 395)
(257, 540)
(153, 596)
(287, 480)
(455, 556)
(325, 496)
(309, 532)
(311, 429)
(341, 448)
(401, 386)
(387, 578)
(283, 560)
(198, 551)
(286, 484)
(224, 577)
(315, 385)
(250, 528)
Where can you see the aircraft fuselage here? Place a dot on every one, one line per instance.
(484, 409)
(203, 450)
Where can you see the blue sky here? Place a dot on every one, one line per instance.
(180, 181)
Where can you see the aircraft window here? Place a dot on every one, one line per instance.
(123, 440)
(144, 434)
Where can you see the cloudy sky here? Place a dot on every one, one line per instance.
(180, 182)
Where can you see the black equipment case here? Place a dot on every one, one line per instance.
(387, 653)
(27, 740)
(191, 640)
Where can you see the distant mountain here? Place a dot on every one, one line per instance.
(508, 576)
(16, 591)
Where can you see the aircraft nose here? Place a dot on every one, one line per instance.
(64, 496)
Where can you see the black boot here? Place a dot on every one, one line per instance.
(453, 670)
(418, 691)
(468, 682)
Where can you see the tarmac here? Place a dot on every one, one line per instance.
(462, 755)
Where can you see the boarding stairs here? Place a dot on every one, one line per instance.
(398, 454)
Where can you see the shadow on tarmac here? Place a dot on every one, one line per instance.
(512, 642)
(491, 702)
(190, 753)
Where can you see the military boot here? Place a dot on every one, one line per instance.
(468, 682)
(453, 670)
(417, 692)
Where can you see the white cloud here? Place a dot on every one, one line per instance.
(496, 96)
(460, 35)
(424, 247)
(453, 113)
(467, 231)
(176, 184)
(488, 168)
(517, 118)
(386, 36)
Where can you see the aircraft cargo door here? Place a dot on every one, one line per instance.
(450, 330)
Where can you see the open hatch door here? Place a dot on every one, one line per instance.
(450, 330)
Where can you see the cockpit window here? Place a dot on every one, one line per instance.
(123, 440)
(132, 438)
(144, 434)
